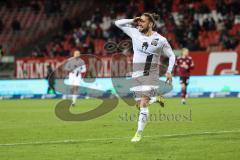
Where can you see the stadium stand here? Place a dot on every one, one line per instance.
(23, 22)
(208, 25)
(211, 25)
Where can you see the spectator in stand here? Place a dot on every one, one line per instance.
(212, 25)
(47, 8)
(91, 48)
(35, 6)
(34, 53)
(77, 35)
(1, 51)
(229, 21)
(180, 32)
(56, 7)
(98, 32)
(203, 9)
(16, 26)
(67, 26)
(52, 7)
(1, 26)
(105, 25)
(220, 25)
(193, 45)
(235, 7)
(206, 24)
(183, 26)
(195, 29)
(228, 41)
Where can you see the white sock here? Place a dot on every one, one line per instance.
(74, 99)
(143, 118)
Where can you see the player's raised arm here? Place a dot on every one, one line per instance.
(126, 25)
(67, 66)
(123, 22)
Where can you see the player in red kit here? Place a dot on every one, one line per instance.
(184, 66)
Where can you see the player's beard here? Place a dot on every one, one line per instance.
(144, 30)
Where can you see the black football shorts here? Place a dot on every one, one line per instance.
(184, 80)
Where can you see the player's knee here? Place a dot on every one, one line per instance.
(144, 101)
(183, 86)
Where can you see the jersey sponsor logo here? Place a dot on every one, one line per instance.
(144, 46)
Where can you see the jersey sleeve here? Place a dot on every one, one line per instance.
(125, 26)
(191, 64)
(67, 66)
(167, 50)
(176, 65)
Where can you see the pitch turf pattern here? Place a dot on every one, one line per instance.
(29, 129)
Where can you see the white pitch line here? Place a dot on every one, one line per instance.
(116, 138)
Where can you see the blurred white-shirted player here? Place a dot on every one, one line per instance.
(77, 68)
(148, 46)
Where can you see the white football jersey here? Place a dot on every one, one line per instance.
(147, 50)
(76, 66)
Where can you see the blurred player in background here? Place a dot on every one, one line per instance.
(1, 51)
(51, 80)
(148, 46)
(184, 66)
(77, 69)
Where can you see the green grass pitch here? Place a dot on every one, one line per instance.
(204, 129)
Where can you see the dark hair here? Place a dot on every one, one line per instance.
(153, 17)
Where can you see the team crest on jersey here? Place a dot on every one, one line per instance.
(154, 42)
